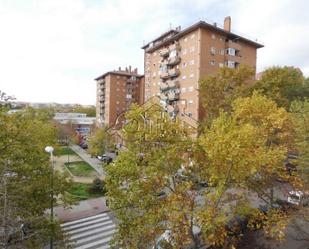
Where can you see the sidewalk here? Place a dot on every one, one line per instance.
(93, 162)
(81, 210)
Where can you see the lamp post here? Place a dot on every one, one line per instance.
(50, 149)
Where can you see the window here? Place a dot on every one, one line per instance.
(117, 102)
(221, 64)
(117, 77)
(222, 51)
(190, 114)
(184, 51)
(183, 90)
(230, 64)
(192, 49)
(186, 39)
(213, 36)
(184, 64)
(212, 63)
(213, 50)
(191, 75)
(184, 77)
(183, 102)
(231, 51)
(191, 62)
(190, 89)
(190, 101)
(153, 75)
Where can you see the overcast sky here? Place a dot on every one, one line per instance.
(51, 50)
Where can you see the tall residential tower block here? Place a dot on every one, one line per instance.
(116, 91)
(176, 60)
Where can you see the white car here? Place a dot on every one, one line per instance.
(298, 198)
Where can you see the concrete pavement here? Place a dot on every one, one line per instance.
(93, 162)
(81, 210)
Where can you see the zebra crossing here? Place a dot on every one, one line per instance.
(94, 232)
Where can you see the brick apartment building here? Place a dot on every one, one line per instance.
(116, 91)
(176, 60)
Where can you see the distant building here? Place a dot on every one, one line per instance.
(116, 91)
(78, 122)
(176, 61)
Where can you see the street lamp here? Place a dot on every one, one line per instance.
(50, 149)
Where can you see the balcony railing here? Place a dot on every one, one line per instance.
(173, 61)
(174, 72)
(172, 96)
(164, 52)
(164, 75)
(164, 87)
(173, 84)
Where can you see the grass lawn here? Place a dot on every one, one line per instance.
(64, 150)
(79, 191)
(81, 168)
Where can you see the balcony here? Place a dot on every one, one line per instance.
(164, 75)
(164, 52)
(173, 84)
(173, 61)
(164, 87)
(163, 96)
(173, 96)
(231, 44)
(174, 72)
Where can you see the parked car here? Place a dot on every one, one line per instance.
(298, 198)
(107, 157)
(83, 146)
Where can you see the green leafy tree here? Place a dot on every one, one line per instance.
(283, 85)
(25, 174)
(300, 112)
(220, 90)
(100, 142)
(246, 151)
(154, 185)
(98, 186)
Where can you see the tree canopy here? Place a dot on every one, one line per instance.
(25, 174)
(155, 185)
(283, 85)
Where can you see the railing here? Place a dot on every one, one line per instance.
(164, 52)
(173, 61)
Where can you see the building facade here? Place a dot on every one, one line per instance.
(178, 59)
(116, 91)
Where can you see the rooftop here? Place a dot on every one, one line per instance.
(126, 72)
(172, 35)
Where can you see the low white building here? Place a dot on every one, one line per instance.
(74, 118)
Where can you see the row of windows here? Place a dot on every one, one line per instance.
(229, 51)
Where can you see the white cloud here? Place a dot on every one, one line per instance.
(51, 50)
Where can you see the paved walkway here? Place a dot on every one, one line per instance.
(93, 162)
(81, 210)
